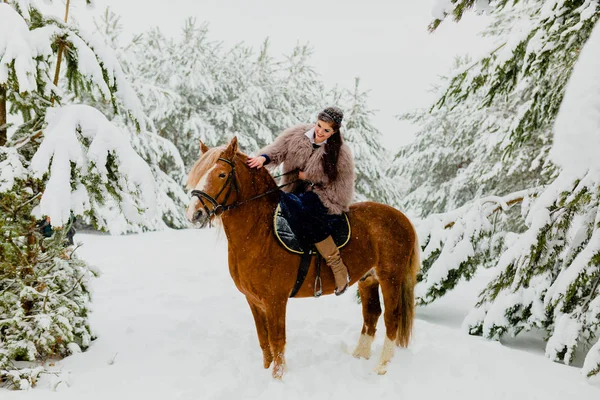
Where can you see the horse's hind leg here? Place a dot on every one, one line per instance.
(260, 319)
(368, 288)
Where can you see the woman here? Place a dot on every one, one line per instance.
(326, 171)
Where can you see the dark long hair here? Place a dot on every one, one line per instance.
(333, 145)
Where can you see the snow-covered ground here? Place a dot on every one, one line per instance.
(171, 325)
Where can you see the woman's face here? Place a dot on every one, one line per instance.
(323, 130)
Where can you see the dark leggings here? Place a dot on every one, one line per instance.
(307, 216)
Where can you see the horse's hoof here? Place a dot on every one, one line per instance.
(278, 371)
(363, 348)
(381, 370)
(358, 354)
(267, 360)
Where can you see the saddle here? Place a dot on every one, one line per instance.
(340, 232)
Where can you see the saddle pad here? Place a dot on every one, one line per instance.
(340, 232)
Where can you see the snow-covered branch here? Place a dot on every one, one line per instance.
(458, 242)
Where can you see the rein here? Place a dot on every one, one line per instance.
(231, 182)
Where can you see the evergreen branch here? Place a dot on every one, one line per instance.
(8, 287)
(502, 205)
(74, 286)
(28, 201)
(19, 252)
(28, 139)
(587, 299)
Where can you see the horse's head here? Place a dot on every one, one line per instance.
(213, 183)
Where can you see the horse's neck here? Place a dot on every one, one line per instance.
(252, 220)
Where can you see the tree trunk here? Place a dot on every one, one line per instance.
(61, 48)
(3, 127)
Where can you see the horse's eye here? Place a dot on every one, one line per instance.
(222, 176)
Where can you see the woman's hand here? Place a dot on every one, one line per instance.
(302, 175)
(256, 162)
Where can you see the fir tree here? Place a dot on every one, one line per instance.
(547, 276)
(550, 278)
(158, 152)
(57, 158)
(364, 138)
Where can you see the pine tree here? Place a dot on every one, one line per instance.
(58, 158)
(195, 89)
(547, 276)
(364, 138)
(158, 152)
(550, 278)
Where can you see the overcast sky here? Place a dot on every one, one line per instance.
(384, 42)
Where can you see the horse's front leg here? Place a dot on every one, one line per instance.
(260, 319)
(276, 309)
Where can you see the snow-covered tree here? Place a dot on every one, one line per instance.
(550, 277)
(364, 138)
(56, 159)
(459, 155)
(212, 94)
(159, 153)
(547, 275)
(493, 119)
(456, 244)
(194, 89)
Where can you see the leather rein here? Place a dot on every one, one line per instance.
(231, 184)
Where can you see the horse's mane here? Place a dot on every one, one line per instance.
(204, 163)
(208, 159)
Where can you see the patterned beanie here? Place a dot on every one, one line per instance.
(333, 113)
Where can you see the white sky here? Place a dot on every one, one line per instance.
(384, 42)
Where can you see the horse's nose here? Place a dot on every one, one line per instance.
(197, 216)
(193, 213)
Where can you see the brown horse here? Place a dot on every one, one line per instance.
(383, 251)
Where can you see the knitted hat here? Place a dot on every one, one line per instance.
(335, 114)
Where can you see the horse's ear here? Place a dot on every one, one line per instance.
(232, 148)
(203, 148)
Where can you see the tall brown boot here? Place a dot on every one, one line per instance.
(332, 257)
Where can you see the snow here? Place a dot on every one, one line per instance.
(94, 45)
(61, 147)
(565, 335)
(88, 65)
(171, 325)
(17, 45)
(441, 8)
(452, 234)
(577, 126)
(10, 169)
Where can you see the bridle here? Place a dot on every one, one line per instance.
(231, 184)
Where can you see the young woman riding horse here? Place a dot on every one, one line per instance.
(383, 251)
(326, 171)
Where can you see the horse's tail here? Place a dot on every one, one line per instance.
(407, 296)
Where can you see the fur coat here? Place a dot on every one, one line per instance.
(294, 149)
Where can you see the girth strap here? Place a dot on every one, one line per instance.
(303, 271)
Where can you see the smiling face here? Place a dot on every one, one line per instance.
(323, 131)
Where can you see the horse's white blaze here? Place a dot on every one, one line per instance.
(363, 348)
(195, 202)
(202, 182)
(386, 356)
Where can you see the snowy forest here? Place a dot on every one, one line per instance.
(99, 132)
